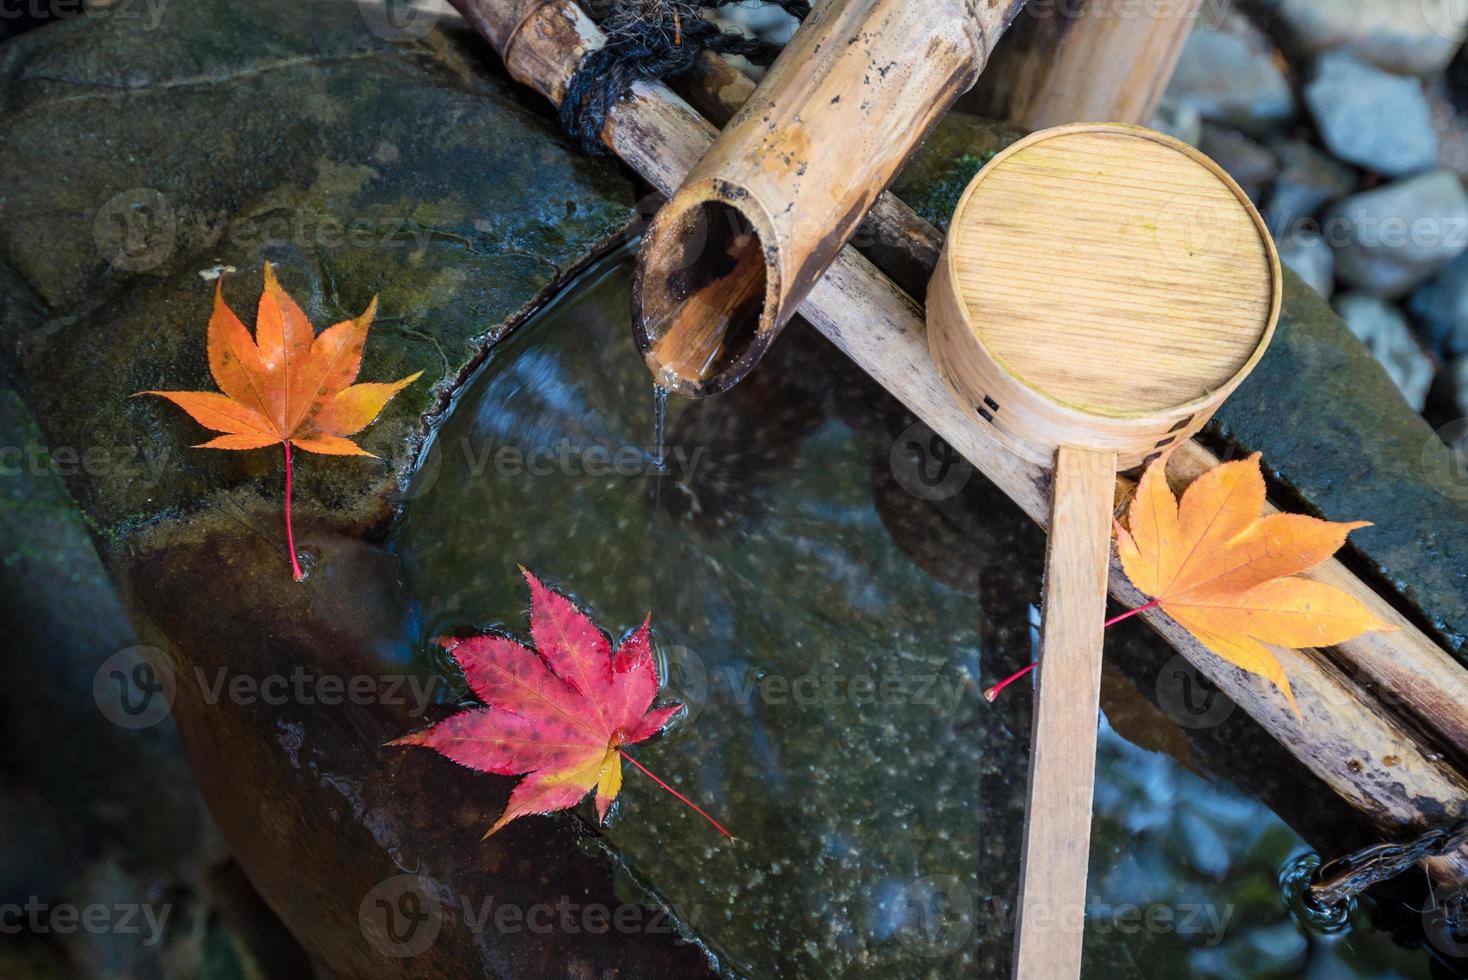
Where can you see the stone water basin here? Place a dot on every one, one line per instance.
(830, 594)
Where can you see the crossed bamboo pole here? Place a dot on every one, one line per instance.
(1383, 718)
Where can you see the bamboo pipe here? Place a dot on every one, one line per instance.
(1347, 734)
(1084, 60)
(728, 260)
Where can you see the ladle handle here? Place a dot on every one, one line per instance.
(1067, 705)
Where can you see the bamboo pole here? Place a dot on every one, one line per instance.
(731, 256)
(1344, 736)
(1084, 61)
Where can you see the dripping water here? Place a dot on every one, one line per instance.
(659, 427)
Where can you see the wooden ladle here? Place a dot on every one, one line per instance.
(1102, 290)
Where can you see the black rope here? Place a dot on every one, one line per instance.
(649, 39)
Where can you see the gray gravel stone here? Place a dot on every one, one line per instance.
(1441, 309)
(1308, 180)
(1391, 239)
(1246, 161)
(1369, 117)
(1307, 253)
(1384, 331)
(1178, 119)
(1233, 78)
(1416, 37)
(1459, 381)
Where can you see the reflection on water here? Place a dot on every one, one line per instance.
(826, 584)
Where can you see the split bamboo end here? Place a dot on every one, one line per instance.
(706, 294)
(768, 208)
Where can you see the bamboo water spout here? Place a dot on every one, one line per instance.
(762, 216)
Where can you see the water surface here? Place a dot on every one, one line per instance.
(830, 592)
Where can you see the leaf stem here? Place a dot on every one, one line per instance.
(290, 537)
(696, 808)
(1131, 612)
(997, 689)
(992, 693)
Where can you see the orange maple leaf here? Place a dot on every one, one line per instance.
(1229, 576)
(287, 384)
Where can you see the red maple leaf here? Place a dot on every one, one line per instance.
(560, 713)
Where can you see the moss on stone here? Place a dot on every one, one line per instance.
(412, 172)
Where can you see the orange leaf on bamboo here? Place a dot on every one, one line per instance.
(1230, 576)
(287, 384)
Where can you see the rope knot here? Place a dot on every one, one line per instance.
(651, 39)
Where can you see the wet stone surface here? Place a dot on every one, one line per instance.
(142, 164)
